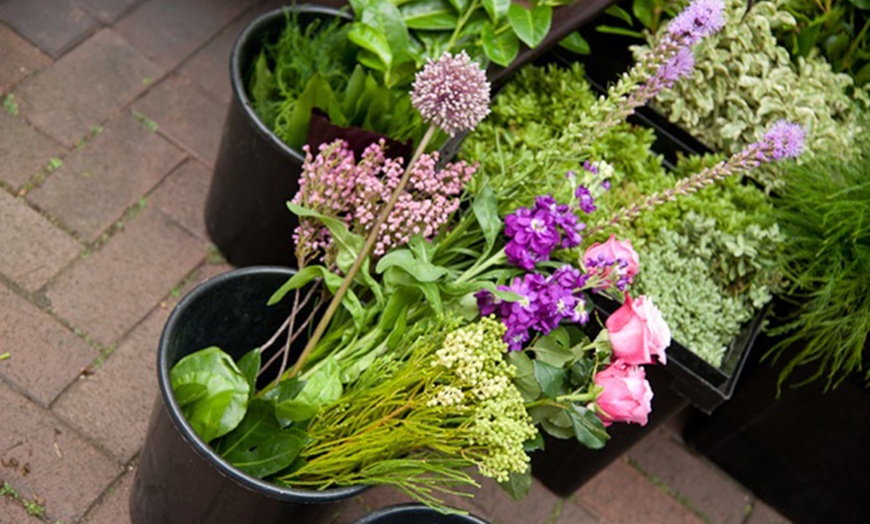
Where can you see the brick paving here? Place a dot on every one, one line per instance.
(112, 116)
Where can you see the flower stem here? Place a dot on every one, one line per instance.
(361, 257)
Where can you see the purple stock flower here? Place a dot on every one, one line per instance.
(786, 139)
(699, 19)
(589, 166)
(587, 203)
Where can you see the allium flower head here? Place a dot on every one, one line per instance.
(451, 93)
(699, 19)
(786, 139)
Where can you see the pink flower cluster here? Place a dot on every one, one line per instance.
(637, 334)
(335, 185)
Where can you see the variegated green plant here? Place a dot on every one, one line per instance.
(744, 78)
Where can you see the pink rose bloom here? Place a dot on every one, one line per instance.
(627, 396)
(638, 331)
(614, 250)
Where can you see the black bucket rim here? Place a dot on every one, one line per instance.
(186, 430)
(411, 509)
(246, 38)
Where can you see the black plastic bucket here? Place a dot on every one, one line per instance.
(416, 514)
(180, 480)
(255, 173)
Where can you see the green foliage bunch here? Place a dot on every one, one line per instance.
(537, 118)
(839, 29)
(825, 218)
(393, 416)
(743, 78)
(722, 240)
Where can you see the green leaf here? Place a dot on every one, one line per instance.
(259, 445)
(348, 244)
(385, 18)
(429, 15)
(303, 277)
(618, 12)
(262, 81)
(460, 5)
(403, 258)
(861, 4)
(530, 25)
(588, 428)
(534, 444)
(550, 378)
(249, 366)
(554, 349)
(496, 9)
(643, 11)
(222, 406)
(524, 379)
(373, 41)
(575, 43)
(807, 38)
(518, 484)
(619, 31)
(485, 207)
(188, 393)
(317, 93)
(321, 388)
(501, 49)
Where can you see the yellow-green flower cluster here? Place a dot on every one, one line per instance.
(498, 423)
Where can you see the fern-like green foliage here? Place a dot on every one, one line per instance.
(708, 259)
(825, 216)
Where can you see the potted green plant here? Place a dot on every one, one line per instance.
(354, 68)
(448, 310)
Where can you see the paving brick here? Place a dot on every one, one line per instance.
(571, 513)
(99, 181)
(209, 67)
(44, 459)
(620, 494)
(348, 511)
(112, 406)
(24, 150)
(53, 25)
(169, 31)
(107, 11)
(497, 506)
(114, 507)
(44, 356)
(182, 196)
(691, 477)
(110, 291)
(13, 512)
(186, 115)
(18, 59)
(86, 86)
(33, 250)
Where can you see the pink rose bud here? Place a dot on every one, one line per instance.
(616, 253)
(627, 396)
(638, 331)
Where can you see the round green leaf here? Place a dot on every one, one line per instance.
(530, 25)
(501, 49)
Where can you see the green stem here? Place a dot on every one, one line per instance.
(361, 257)
(479, 268)
(461, 23)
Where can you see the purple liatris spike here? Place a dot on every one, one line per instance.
(785, 139)
(701, 18)
(679, 66)
(451, 93)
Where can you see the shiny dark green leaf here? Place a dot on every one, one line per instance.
(524, 379)
(259, 445)
(550, 378)
(485, 207)
(496, 9)
(373, 41)
(249, 365)
(518, 484)
(588, 428)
